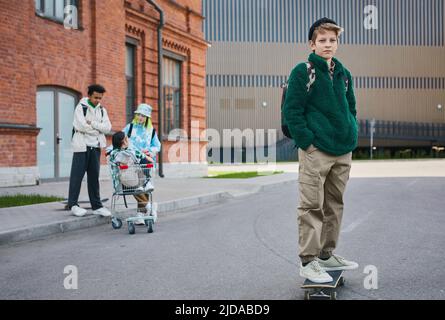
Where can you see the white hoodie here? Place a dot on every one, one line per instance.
(91, 135)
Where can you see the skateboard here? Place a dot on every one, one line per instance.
(324, 291)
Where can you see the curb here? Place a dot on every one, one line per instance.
(44, 230)
(270, 186)
(186, 203)
(263, 188)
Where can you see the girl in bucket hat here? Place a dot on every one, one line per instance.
(141, 131)
(143, 137)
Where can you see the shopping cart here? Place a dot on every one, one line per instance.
(131, 180)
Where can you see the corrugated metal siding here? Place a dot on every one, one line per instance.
(404, 85)
(395, 105)
(400, 22)
(264, 81)
(227, 108)
(398, 70)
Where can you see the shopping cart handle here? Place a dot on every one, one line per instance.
(148, 165)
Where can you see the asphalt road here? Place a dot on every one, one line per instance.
(244, 248)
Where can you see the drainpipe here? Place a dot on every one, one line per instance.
(160, 80)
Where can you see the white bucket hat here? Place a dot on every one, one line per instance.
(144, 109)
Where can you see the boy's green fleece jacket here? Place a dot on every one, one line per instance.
(326, 115)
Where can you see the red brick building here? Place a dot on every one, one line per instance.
(48, 59)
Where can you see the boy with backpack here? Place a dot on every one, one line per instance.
(320, 115)
(90, 123)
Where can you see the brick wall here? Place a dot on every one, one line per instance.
(18, 148)
(37, 51)
(182, 35)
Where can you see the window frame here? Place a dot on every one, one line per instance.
(39, 7)
(129, 109)
(180, 60)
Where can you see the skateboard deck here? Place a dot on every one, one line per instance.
(324, 291)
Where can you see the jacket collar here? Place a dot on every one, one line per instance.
(84, 102)
(321, 64)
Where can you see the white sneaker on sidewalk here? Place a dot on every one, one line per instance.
(78, 211)
(153, 212)
(336, 262)
(104, 212)
(313, 272)
(139, 221)
(149, 186)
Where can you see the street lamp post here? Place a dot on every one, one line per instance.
(441, 136)
(371, 131)
(441, 109)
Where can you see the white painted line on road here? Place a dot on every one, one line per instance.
(412, 183)
(357, 222)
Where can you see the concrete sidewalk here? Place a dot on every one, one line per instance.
(360, 168)
(171, 194)
(174, 194)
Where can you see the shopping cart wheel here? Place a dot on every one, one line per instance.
(131, 228)
(116, 223)
(150, 226)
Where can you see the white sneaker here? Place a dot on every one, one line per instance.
(139, 221)
(153, 212)
(102, 212)
(313, 272)
(149, 186)
(78, 211)
(337, 263)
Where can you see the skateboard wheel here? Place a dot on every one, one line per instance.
(342, 281)
(307, 296)
(150, 226)
(333, 295)
(116, 223)
(131, 228)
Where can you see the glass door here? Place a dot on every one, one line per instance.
(45, 139)
(65, 110)
(55, 112)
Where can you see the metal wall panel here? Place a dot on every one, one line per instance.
(400, 22)
(398, 69)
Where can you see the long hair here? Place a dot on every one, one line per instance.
(148, 124)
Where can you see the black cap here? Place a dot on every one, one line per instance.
(318, 23)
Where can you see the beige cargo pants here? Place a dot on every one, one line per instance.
(142, 200)
(322, 181)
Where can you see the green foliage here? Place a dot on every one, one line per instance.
(25, 199)
(240, 175)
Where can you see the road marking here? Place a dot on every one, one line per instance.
(411, 183)
(357, 222)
